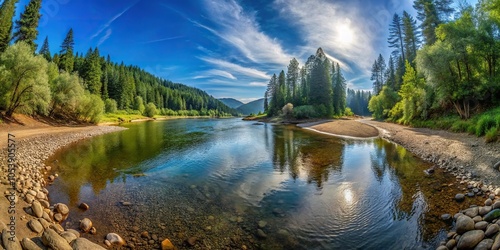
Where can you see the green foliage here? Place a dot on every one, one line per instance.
(92, 71)
(460, 126)
(304, 112)
(348, 112)
(139, 104)
(491, 135)
(412, 97)
(151, 111)
(484, 124)
(67, 61)
(45, 50)
(25, 86)
(26, 27)
(91, 108)
(381, 104)
(110, 106)
(6, 14)
(67, 93)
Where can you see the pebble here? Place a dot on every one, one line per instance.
(84, 206)
(263, 223)
(35, 226)
(261, 234)
(115, 239)
(85, 225)
(167, 245)
(492, 230)
(464, 224)
(481, 225)
(459, 197)
(192, 241)
(470, 239)
(52, 239)
(485, 244)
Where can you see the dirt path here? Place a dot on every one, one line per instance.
(468, 156)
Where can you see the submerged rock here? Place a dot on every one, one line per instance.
(85, 225)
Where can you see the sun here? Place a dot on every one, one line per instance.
(345, 33)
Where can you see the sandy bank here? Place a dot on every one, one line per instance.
(342, 128)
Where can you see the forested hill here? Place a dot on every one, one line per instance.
(82, 86)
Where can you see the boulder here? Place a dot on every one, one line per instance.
(84, 244)
(35, 226)
(61, 208)
(470, 239)
(55, 241)
(492, 230)
(37, 209)
(464, 224)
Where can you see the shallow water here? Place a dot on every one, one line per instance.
(217, 179)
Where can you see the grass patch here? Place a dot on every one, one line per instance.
(484, 124)
(120, 116)
(491, 135)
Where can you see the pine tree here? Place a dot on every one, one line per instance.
(339, 92)
(304, 88)
(292, 78)
(92, 73)
(320, 88)
(427, 14)
(45, 50)
(411, 39)
(266, 104)
(26, 27)
(390, 74)
(378, 71)
(396, 36)
(7, 11)
(272, 88)
(281, 90)
(67, 60)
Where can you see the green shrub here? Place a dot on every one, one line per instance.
(460, 126)
(485, 123)
(491, 135)
(497, 119)
(287, 110)
(348, 112)
(304, 112)
(150, 110)
(110, 106)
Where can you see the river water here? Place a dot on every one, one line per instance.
(215, 181)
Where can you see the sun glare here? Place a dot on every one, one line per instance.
(345, 34)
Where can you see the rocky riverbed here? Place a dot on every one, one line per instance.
(32, 222)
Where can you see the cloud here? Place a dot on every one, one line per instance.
(162, 39)
(232, 67)
(258, 84)
(105, 37)
(331, 25)
(215, 72)
(107, 24)
(240, 29)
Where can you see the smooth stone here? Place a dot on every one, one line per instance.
(58, 217)
(496, 243)
(37, 209)
(115, 239)
(85, 225)
(44, 223)
(9, 244)
(455, 216)
(493, 214)
(445, 217)
(262, 224)
(442, 248)
(497, 192)
(492, 230)
(459, 197)
(481, 225)
(167, 245)
(464, 224)
(484, 210)
(477, 219)
(84, 244)
(471, 212)
(51, 239)
(35, 226)
(496, 205)
(93, 231)
(261, 234)
(73, 231)
(84, 206)
(28, 244)
(488, 202)
(451, 244)
(69, 237)
(192, 241)
(470, 239)
(61, 208)
(485, 244)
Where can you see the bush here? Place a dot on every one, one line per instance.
(491, 135)
(348, 112)
(304, 112)
(150, 110)
(460, 126)
(485, 123)
(110, 106)
(287, 110)
(91, 108)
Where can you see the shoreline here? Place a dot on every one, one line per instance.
(342, 128)
(36, 218)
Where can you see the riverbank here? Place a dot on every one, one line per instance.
(342, 128)
(36, 219)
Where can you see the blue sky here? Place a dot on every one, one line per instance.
(229, 48)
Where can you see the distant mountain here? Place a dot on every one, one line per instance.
(252, 107)
(230, 102)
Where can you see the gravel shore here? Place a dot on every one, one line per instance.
(37, 223)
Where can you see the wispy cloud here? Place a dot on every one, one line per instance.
(235, 68)
(258, 84)
(240, 29)
(110, 21)
(162, 39)
(105, 37)
(215, 72)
